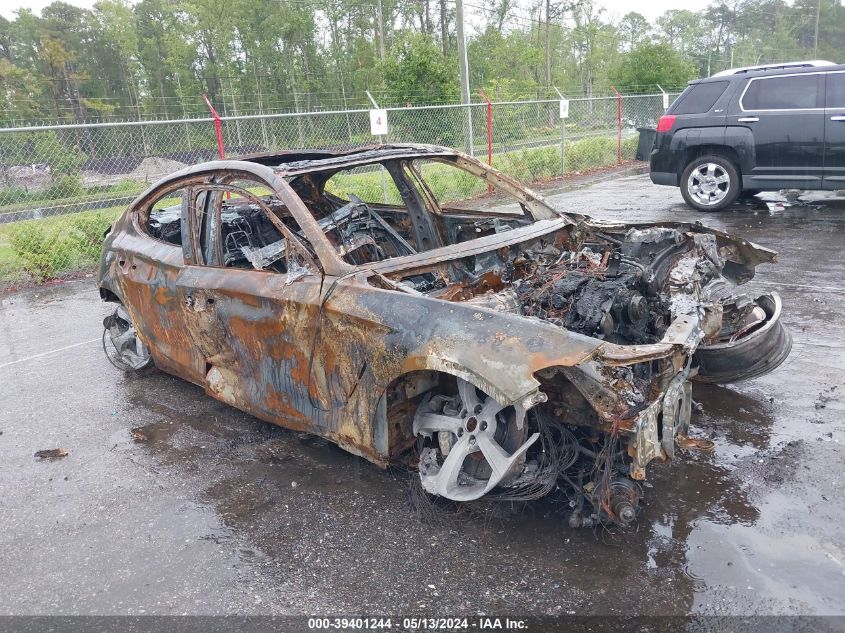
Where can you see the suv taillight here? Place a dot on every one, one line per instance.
(665, 123)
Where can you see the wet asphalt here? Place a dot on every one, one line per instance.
(172, 503)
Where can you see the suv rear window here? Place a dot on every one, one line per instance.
(782, 93)
(699, 98)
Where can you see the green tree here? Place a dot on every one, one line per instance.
(634, 28)
(132, 59)
(505, 64)
(415, 72)
(651, 64)
(684, 32)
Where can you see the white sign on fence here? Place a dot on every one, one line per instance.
(665, 101)
(564, 108)
(378, 122)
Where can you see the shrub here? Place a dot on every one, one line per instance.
(126, 185)
(86, 235)
(12, 194)
(51, 246)
(629, 147)
(590, 153)
(64, 187)
(40, 248)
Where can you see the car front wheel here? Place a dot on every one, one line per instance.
(710, 183)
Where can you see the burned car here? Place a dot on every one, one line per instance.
(414, 305)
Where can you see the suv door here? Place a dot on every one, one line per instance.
(834, 135)
(786, 118)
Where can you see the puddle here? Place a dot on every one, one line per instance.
(760, 564)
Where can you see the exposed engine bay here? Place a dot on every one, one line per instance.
(597, 428)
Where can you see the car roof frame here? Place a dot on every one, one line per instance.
(274, 176)
(331, 262)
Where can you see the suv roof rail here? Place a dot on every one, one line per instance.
(813, 63)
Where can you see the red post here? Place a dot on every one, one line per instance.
(218, 126)
(489, 133)
(618, 126)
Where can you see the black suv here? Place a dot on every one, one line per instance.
(748, 130)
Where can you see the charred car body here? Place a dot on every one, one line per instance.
(410, 303)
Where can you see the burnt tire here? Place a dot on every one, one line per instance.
(754, 355)
(710, 183)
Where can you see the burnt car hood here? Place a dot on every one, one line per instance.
(741, 255)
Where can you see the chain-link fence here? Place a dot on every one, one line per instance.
(61, 186)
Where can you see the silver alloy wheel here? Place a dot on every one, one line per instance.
(121, 344)
(708, 184)
(473, 430)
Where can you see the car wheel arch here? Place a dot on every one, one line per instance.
(393, 420)
(729, 153)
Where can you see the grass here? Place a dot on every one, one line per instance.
(10, 265)
(42, 249)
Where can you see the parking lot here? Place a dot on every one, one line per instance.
(171, 503)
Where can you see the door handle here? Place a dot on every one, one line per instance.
(838, 117)
(748, 119)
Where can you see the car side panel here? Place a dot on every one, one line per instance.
(263, 352)
(788, 145)
(834, 115)
(671, 149)
(668, 161)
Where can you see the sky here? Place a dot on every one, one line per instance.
(8, 7)
(651, 9)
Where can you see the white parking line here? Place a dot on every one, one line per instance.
(52, 351)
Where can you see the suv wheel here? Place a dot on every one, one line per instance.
(710, 183)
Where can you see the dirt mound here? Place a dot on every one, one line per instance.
(30, 177)
(152, 168)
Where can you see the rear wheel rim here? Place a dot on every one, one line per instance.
(708, 184)
(121, 344)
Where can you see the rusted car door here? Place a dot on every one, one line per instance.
(148, 269)
(254, 327)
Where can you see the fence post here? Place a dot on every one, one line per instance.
(218, 126)
(489, 134)
(468, 130)
(562, 138)
(618, 126)
(665, 97)
(380, 142)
